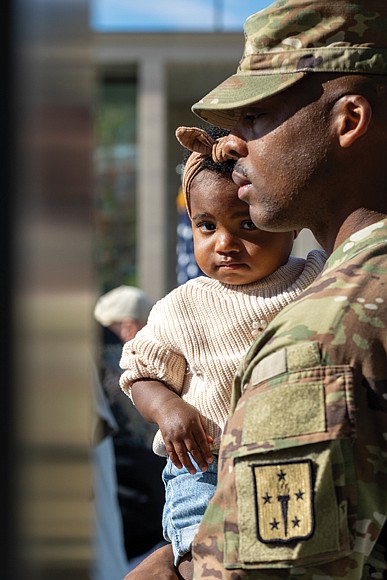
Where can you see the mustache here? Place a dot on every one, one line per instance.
(240, 169)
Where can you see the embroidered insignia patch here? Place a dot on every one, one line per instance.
(284, 501)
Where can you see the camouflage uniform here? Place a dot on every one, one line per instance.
(303, 463)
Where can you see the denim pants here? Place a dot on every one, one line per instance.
(186, 499)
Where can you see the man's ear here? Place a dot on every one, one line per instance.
(353, 113)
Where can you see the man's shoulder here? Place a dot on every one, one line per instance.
(344, 308)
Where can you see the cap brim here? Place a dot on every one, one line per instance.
(221, 107)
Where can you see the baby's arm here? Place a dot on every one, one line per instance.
(182, 426)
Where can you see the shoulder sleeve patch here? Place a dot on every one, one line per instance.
(284, 501)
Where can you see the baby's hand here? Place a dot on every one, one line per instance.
(184, 432)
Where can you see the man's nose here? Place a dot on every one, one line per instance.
(234, 146)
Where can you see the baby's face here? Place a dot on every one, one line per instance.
(228, 246)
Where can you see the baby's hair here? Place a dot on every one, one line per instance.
(208, 162)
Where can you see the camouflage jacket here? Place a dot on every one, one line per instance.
(302, 490)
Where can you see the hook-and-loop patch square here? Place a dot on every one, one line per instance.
(284, 501)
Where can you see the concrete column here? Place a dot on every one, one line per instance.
(152, 177)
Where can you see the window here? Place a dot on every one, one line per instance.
(115, 173)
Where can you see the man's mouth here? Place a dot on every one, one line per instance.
(244, 185)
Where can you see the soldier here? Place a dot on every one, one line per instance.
(303, 460)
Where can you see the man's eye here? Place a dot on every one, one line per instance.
(253, 116)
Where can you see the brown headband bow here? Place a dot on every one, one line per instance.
(202, 145)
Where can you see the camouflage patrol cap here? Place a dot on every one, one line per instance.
(291, 38)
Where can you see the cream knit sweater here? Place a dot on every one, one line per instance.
(196, 336)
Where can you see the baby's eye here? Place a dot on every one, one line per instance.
(206, 227)
(249, 225)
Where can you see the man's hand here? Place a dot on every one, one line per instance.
(157, 566)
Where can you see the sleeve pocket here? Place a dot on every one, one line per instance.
(294, 480)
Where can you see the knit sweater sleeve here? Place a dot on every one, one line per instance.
(154, 352)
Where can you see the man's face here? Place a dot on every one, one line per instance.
(285, 163)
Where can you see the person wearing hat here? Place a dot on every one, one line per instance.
(303, 461)
(128, 493)
(124, 310)
(121, 312)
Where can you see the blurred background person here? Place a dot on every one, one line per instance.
(129, 494)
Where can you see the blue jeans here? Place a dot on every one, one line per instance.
(186, 500)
